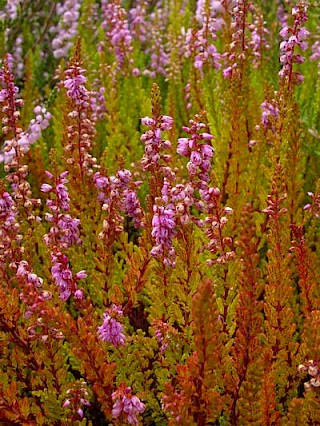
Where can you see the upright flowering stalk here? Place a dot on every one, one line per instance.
(36, 300)
(80, 126)
(77, 398)
(66, 30)
(199, 153)
(258, 41)
(159, 45)
(111, 331)
(11, 253)
(270, 115)
(10, 103)
(9, 107)
(294, 37)
(98, 102)
(214, 223)
(199, 43)
(118, 196)
(239, 45)
(155, 161)
(215, 7)
(34, 283)
(63, 233)
(137, 20)
(154, 144)
(118, 36)
(199, 46)
(163, 334)
(163, 227)
(175, 201)
(18, 64)
(126, 405)
(9, 231)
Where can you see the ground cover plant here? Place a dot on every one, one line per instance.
(159, 212)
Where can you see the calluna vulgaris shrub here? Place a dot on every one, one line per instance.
(160, 212)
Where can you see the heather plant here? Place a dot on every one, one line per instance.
(159, 212)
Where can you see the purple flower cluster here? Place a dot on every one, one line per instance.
(214, 223)
(98, 102)
(64, 231)
(66, 30)
(35, 301)
(77, 398)
(9, 230)
(182, 195)
(239, 45)
(111, 330)
(34, 298)
(270, 115)
(118, 194)
(200, 154)
(216, 7)
(315, 52)
(74, 83)
(163, 332)
(199, 44)
(18, 61)
(258, 39)
(163, 231)
(10, 101)
(294, 37)
(137, 21)
(80, 129)
(154, 142)
(36, 126)
(7, 210)
(63, 277)
(117, 32)
(282, 15)
(25, 271)
(10, 118)
(158, 45)
(10, 10)
(176, 200)
(159, 56)
(126, 404)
